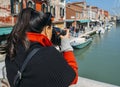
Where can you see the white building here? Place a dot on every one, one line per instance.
(57, 8)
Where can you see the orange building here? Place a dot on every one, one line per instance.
(13, 7)
(76, 13)
(39, 5)
(106, 13)
(5, 16)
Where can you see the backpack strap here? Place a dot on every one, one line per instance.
(19, 73)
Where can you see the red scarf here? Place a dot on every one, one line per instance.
(36, 37)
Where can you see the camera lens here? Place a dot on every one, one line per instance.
(56, 32)
(59, 31)
(63, 32)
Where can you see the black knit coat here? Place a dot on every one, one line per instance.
(47, 68)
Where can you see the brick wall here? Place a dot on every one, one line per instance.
(72, 9)
(69, 13)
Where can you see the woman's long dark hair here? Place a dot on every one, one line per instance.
(28, 20)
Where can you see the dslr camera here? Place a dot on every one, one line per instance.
(56, 32)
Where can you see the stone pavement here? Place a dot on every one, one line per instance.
(84, 82)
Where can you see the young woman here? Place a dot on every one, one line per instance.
(48, 67)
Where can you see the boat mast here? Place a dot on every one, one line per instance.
(116, 9)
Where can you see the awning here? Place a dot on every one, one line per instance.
(6, 30)
(83, 21)
(70, 20)
(93, 20)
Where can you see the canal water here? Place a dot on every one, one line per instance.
(100, 60)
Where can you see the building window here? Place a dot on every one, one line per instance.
(77, 15)
(61, 12)
(61, 0)
(52, 10)
(16, 6)
(44, 8)
(82, 15)
(31, 4)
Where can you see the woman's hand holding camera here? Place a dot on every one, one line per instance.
(67, 35)
(65, 43)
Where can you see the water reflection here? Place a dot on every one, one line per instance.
(100, 60)
(79, 53)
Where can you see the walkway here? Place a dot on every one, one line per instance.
(84, 82)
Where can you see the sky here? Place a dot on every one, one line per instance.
(108, 5)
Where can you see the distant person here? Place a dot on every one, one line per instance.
(83, 29)
(72, 30)
(92, 27)
(47, 67)
(77, 32)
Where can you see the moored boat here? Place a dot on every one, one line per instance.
(100, 30)
(80, 42)
(108, 26)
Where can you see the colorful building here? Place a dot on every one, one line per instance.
(9, 9)
(5, 15)
(76, 13)
(57, 8)
(95, 12)
(39, 5)
(64, 14)
(107, 16)
(18, 5)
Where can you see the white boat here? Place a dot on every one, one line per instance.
(108, 26)
(112, 23)
(100, 30)
(80, 42)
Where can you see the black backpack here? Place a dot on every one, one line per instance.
(19, 73)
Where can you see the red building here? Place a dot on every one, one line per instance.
(106, 13)
(74, 13)
(13, 7)
(5, 16)
(39, 5)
